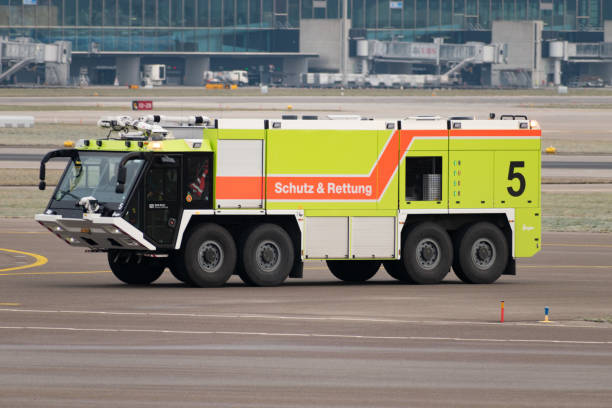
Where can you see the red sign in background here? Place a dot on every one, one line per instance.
(142, 105)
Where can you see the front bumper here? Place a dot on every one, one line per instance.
(96, 232)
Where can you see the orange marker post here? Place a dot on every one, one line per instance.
(501, 320)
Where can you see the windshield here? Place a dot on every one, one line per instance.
(95, 174)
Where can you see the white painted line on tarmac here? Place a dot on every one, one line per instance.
(303, 318)
(312, 335)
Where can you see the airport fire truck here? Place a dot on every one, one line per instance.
(257, 198)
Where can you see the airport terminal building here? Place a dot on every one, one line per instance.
(280, 40)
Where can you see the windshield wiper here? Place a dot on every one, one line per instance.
(64, 193)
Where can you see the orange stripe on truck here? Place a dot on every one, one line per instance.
(239, 187)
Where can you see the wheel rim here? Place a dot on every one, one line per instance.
(483, 253)
(210, 256)
(428, 253)
(268, 255)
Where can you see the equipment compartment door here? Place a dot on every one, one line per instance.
(240, 180)
(517, 179)
(327, 237)
(161, 199)
(470, 179)
(424, 180)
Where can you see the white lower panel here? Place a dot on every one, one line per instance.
(373, 237)
(96, 232)
(243, 203)
(326, 237)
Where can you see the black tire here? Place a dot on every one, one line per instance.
(240, 265)
(267, 256)
(428, 253)
(397, 270)
(135, 269)
(354, 271)
(177, 268)
(483, 253)
(457, 237)
(209, 256)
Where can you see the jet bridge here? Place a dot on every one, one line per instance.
(431, 53)
(19, 53)
(448, 58)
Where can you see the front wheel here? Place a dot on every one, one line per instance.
(427, 253)
(209, 256)
(397, 270)
(267, 256)
(135, 269)
(354, 271)
(483, 254)
(177, 269)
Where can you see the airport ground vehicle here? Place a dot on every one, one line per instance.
(153, 75)
(236, 77)
(257, 197)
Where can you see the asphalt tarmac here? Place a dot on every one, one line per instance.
(71, 335)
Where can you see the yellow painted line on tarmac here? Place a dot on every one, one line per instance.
(568, 266)
(9, 304)
(53, 273)
(40, 260)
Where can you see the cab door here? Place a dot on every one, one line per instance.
(161, 201)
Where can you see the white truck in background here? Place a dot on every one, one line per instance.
(153, 75)
(237, 77)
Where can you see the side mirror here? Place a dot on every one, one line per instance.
(121, 177)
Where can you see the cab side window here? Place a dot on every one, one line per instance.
(161, 184)
(197, 185)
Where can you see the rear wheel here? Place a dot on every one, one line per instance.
(457, 237)
(267, 256)
(483, 254)
(427, 253)
(135, 269)
(209, 256)
(354, 271)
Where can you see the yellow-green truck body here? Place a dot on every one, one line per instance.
(347, 190)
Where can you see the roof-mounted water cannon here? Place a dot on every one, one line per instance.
(177, 120)
(133, 128)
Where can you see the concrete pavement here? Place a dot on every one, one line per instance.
(71, 335)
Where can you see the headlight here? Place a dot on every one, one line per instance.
(112, 230)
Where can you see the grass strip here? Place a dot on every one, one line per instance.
(23, 202)
(575, 212)
(605, 319)
(27, 177)
(49, 134)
